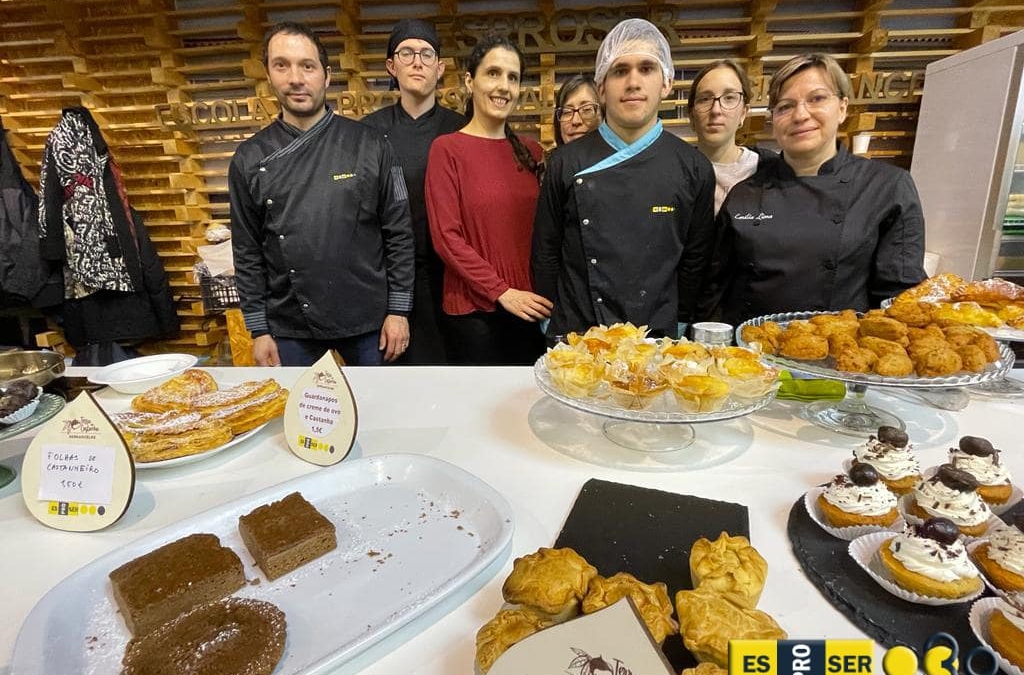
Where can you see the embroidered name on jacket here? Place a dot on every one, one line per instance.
(663, 209)
(343, 176)
(751, 216)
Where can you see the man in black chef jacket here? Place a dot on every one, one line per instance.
(320, 222)
(624, 225)
(412, 124)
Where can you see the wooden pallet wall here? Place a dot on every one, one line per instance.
(175, 85)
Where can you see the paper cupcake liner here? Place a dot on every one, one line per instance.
(971, 548)
(864, 551)
(845, 533)
(997, 509)
(979, 620)
(25, 411)
(905, 502)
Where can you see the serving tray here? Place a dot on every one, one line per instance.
(411, 529)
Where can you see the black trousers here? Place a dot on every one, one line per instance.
(494, 339)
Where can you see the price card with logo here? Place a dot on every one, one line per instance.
(77, 474)
(320, 418)
(613, 640)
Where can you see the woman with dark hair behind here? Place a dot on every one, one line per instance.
(481, 187)
(718, 105)
(577, 109)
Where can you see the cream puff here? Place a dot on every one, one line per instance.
(893, 457)
(858, 498)
(977, 457)
(930, 559)
(952, 493)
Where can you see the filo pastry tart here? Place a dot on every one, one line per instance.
(951, 493)
(650, 600)
(977, 457)
(730, 566)
(930, 559)
(1001, 557)
(708, 620)
(551, 581)
(892, 455)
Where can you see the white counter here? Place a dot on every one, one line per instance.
(483, 420)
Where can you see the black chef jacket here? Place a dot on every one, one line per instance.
(320, 230)
(626, 243)
(847, 238)
(411, 139)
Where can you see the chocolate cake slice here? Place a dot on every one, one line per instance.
(286, 534)
(173, 579)
(236, 636)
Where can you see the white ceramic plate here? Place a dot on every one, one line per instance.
(135, 376)
(412, 530)
(188, 459)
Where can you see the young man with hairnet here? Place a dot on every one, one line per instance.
(625, 224)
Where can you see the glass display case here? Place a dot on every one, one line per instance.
(968, 160)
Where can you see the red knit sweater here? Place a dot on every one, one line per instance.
(480, 205)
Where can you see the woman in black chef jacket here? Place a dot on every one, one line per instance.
(822, 229)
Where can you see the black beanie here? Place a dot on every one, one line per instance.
(413, 29)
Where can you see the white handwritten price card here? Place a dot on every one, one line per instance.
(320, 418)
(78, 474)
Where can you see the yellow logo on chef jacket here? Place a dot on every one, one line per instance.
(343, 176)
(855, 657)
(663, 209)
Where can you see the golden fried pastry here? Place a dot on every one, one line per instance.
(1012, 314)
(175, 393)
(838, 342)
(651, 601)
(796, 327)
(894, 365)
(251, 412)
(153, 437)
(939, 287)
(854, 359)
(884, 327)
(708, 620)
(766, 336)
(507, 628)
(940, 362)
(931, 329)
(730, 566)
(552, 580)
(804, 346)
(706, 668)
(959, 335)
(881, 347)
(921, 346)
(1007, 638)
(970, 313)
(916, 314)
(973, 358)
(700, 393)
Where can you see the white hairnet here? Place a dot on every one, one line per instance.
(633, 36)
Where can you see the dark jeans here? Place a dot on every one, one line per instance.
(358, 350)
(494, 339)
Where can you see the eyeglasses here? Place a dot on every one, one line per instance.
(587, 111)
(728, 101)
(407, 56)
(816, 101)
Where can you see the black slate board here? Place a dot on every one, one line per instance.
(882, 616)
(648, 533)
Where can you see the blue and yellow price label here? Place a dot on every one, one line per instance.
(794, 657)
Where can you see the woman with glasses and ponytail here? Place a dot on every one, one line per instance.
(718, 105)
(822, 229)
(481, 188)
(577, 109)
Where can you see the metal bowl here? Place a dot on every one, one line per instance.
(39, 367)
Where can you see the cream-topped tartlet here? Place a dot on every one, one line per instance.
(952, 493)
(858, 498)
(977, 457)
(1001, 556)
(892, 455)
(929, 559)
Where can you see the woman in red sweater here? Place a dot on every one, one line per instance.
(481, 187)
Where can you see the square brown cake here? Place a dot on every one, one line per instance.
(171, 580)
(286, 534)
